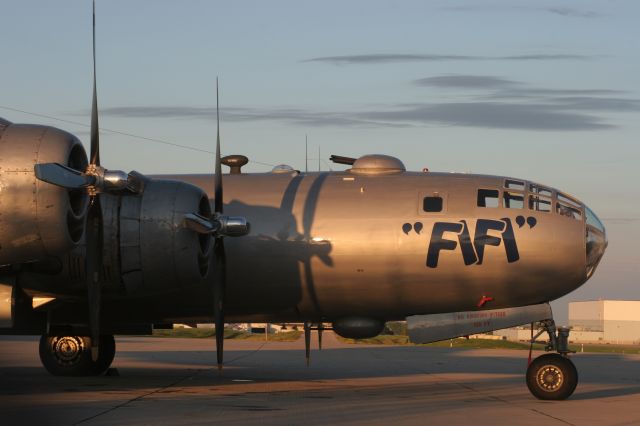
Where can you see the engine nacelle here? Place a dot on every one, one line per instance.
(147, 247)
(358, 327)
(157, 251)
(38, 219)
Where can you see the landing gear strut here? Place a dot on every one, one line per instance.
(71, 355)
(553, 376)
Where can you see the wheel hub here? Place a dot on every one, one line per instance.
(550, 378)
(67, 350)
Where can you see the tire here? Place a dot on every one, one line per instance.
(71, 355)
(552, 377)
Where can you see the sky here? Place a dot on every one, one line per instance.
(542, 90)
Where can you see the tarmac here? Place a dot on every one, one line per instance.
(165, 381)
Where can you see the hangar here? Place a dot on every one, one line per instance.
(607, 321)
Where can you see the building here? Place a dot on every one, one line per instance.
(593, 321)
(605, 321)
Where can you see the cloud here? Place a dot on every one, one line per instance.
(562, 11)
(466, 82)
(500, 89)
(598, 104)
(573, 13)
(545, 57)
(160, 112)
(496, 115)
(533, 92)
(495, 102)
(386, 58)
(389, 58)
(245, 114)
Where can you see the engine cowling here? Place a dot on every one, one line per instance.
(147, 247)
(38, 219)
(157, 251)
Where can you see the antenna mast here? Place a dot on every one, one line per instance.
(306, 154)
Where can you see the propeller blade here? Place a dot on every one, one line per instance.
(220, 271)
(218, 168)
(307, 341)
(220, 262)
(93, 269)
(320, 330)
(199, 224)
(95, 137)
(93, 233)
(59, 175)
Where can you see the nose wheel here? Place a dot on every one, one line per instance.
(71, 355)
(553, 376)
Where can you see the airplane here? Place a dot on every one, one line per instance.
(89, 252)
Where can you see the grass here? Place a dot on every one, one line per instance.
(492, 344)
(285, 336)
(395, 339)
(456, 343)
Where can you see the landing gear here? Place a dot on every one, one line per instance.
(71, 355)
(553, 376)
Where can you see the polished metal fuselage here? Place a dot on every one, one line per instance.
(329, 245)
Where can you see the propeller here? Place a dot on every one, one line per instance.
(220, 264)
(95, 179)
(93, 231)
(218, 226)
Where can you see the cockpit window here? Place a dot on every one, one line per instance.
(592, 219)
(540, 190)
(539, 203)
(514, 184)
(566, 199)
(563, 209)
(513, 200)
(488, 197)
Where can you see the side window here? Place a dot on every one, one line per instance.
(539, 204)
(513, 200)
(432, 204)
(488, 197)
(514, 184)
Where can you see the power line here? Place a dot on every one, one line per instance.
(131, 135)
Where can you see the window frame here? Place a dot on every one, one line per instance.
(499, 199)
(512, 193)
(424, 194)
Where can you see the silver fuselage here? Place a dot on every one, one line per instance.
(329, 245)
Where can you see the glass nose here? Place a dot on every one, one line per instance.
(596, 237)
